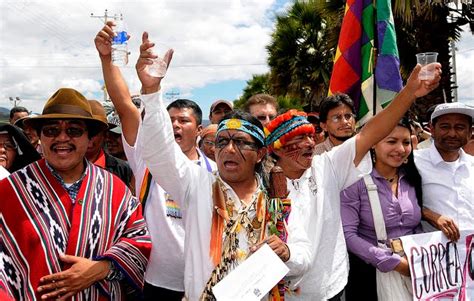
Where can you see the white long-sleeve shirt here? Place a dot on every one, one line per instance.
(192, 187)
(448, 187)
(166, 263)
(316, 196)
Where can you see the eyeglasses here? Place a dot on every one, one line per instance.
(8, 145)
(338, 118)
(55, 131)
(264, 117)
(241, 144)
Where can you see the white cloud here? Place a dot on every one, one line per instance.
(46, 45)
(464, 67)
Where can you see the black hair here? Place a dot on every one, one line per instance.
(409, 169)
(18, 110)
(187, 104)
(332, 102)
(238, 114)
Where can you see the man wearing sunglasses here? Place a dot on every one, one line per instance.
(262, 106)
(70, 228)
(214, 202)
(337, 119)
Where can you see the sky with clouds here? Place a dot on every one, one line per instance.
(218, 45)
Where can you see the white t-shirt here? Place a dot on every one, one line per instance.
(191, 186)
(316, 196)
(448, 187)
(3, 172)
(165, 222)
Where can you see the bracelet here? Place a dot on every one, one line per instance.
(289, 253)
(114, 273)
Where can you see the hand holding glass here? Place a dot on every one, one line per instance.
(426, 60)
(159, 66)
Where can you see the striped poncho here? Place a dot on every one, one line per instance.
(38, 221)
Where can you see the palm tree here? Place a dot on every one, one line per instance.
(421, 26)
(259, 83)
(299, 56)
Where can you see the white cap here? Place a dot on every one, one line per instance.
(114, 123)
(452, 108)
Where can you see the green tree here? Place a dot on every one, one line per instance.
(421, 26)
(299, 56)
(259, 83)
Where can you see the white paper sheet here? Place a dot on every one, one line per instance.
(253, 278)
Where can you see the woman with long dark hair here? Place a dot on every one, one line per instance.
(398, 186)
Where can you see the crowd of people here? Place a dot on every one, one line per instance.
(143, 203)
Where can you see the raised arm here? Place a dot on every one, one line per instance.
(169, 166)
(116, 86)
(383, 123)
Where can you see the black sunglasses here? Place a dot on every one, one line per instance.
(55, 131)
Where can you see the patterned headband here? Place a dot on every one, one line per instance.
(242, 125)
(285, 127)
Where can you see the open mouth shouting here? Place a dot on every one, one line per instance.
(178, 137)
(231, 165)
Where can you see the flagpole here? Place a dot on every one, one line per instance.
(374, 98)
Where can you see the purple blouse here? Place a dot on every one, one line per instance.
(402, 216)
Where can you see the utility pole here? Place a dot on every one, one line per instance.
(106, 95)
(16, 101)
(103, 17)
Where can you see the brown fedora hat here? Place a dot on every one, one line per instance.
(98, 111)
(67, 103)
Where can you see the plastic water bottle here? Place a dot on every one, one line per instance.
(120, 44)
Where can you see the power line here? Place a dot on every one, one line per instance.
(132, 66)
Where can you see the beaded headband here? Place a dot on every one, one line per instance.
(285, 127)
(242, 125)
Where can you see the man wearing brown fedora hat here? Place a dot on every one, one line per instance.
(68, 227)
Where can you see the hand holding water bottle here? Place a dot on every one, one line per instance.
(119, 43)
(104, 40)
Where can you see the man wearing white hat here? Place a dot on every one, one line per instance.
(447, 172)
(218, 109)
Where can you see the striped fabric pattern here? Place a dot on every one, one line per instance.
(354, 64)
(105, 222)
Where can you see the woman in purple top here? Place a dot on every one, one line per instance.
(399, 189)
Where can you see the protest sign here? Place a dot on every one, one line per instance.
(441, 269)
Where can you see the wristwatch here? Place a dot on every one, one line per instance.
(397, 247)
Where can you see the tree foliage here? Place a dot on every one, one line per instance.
(299, 56)
(305, 40)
